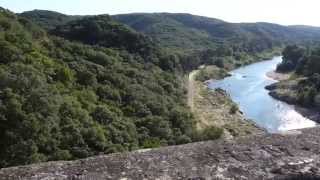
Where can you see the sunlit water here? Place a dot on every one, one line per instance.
(246, 87)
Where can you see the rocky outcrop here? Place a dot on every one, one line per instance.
(284, 91)
(283, 97)
(294, 155)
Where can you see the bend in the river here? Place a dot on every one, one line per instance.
(246, 87)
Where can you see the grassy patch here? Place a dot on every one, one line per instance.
(211, 72)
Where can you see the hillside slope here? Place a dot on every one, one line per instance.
(189, 31)
(189, 40)
(70, 93)
(48, 19)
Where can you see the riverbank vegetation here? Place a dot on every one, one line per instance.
(210, 72)
(215, 108)
(303, 87)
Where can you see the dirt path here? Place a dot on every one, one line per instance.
(191, 89)
(212, 108)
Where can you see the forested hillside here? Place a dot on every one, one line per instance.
(196, 40)
(188, 47)
(186, 31)
(90, 86)
(48, 19)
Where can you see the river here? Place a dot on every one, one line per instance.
(246, 86)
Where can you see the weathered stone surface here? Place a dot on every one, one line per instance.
(294, 155)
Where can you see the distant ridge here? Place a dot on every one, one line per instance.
(191, 31)
(185, 32)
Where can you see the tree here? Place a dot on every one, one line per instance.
(292, 55)
(103, 115)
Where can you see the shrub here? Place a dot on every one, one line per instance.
(211, 133)
(234, 108)
(151, 143)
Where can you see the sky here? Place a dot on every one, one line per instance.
(285, 12)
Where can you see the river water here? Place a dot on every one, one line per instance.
(246, 86)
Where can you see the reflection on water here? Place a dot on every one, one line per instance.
(246, 87)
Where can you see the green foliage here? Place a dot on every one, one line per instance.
(234, 108)
(8, 52)
(188, 41)
(212, 133)
(151, 143)
(63, 100)
(102, 30)
(211, 72)
(292, 55)
(312, 65)
(306, 64)
(209, 133)
(48, 19)
(186, 32)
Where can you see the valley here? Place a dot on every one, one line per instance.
(76, 86)
(246, 87)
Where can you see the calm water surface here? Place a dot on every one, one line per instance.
(246, 87)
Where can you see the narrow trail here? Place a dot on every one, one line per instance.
(191, 89)
(212, 109)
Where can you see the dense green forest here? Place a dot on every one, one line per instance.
(77, 86)
(48, 19)
(64, 99)
(304, 62)
(196, 40)
(187, 32)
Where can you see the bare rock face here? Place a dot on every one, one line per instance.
(294, 155)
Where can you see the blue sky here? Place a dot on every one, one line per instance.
(287, 12)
